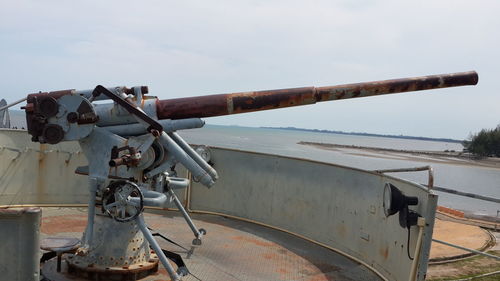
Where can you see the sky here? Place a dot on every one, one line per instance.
(192, 48)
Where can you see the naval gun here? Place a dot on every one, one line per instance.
(132, 147)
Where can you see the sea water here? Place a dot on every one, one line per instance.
(463, 177)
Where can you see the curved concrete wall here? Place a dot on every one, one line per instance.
(336, 206)
(34, 173)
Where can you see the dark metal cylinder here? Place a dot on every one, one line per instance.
(233, 103)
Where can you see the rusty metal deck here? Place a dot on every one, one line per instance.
(232, 249)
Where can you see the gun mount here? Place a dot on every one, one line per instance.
(132, 150)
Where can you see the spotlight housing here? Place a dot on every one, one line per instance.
(395, 201)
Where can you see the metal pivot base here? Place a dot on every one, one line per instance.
(69, 273)
(125, 273)
(118, 252)
(198, 233)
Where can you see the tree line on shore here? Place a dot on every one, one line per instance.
(486, 143)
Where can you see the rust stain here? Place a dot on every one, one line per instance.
(384, 252)
(270, 256)
(202, 106)
(40, 179)
(161, 273)
(320, 277)
(282, 271)
(341, 230)
(58, 224)
(54, 94)
(253, 241)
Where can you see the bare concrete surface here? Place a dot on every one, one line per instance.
(468, 236)
(232, 250)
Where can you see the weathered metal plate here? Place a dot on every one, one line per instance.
(232, 250)
(19, 243)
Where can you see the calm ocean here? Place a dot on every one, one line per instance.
(474, 179)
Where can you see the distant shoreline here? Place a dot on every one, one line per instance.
(423, 152)
(450, 157)
(366, 134)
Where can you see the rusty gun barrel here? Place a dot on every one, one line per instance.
(233, 103)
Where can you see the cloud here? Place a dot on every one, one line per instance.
(186, 48)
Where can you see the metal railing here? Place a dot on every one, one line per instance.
(430, 182)
(430, 185)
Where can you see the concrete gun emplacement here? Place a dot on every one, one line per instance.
(132, 149)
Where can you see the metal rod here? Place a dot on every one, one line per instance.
(147, 234)
(479, 276)
(467, 194)
(430, 183)
(186, 216)
(416, 258)
(59, 256)
(466, 249)
(12, 104)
